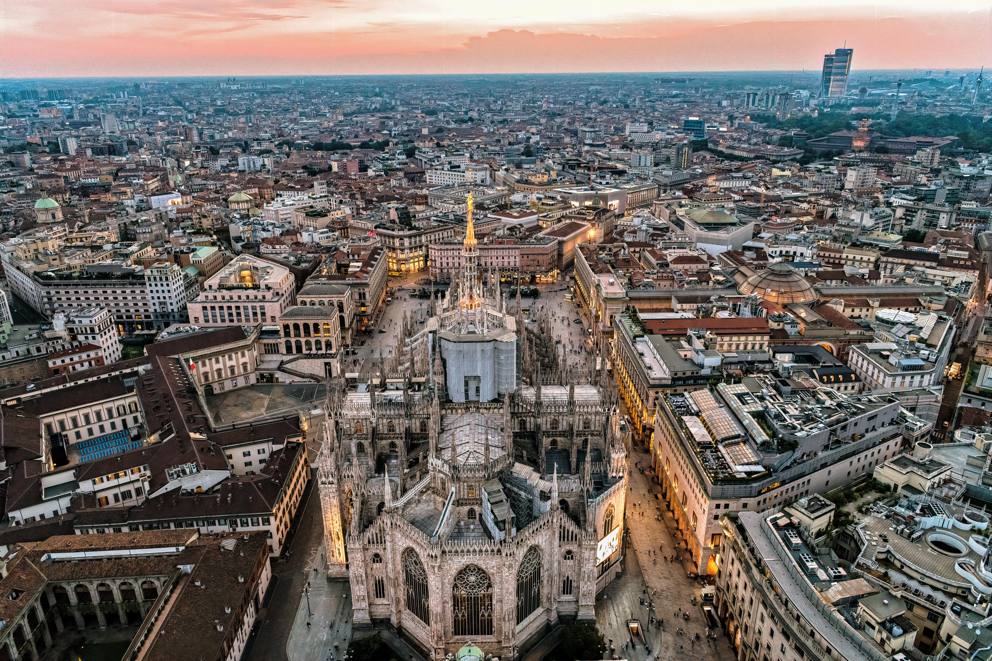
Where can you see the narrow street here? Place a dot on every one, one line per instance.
(286, 592)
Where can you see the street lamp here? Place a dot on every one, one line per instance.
(306, 593)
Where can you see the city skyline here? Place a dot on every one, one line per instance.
(307, 37)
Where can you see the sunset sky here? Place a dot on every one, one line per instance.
(243, 37)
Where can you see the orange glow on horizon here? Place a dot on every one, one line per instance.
(245, 37)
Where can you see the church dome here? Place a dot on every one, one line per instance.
(469, 653)
(46, 203)
(780, 283)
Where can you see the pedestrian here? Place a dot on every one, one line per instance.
(308, 624)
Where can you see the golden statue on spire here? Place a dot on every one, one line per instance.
(470, 241)
(470, 292)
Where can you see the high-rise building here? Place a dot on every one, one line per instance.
(68, 145)
(682, 155)
(836, 69)
(695, 127)
(110, 124)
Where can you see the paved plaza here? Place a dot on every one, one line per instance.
(322, 627)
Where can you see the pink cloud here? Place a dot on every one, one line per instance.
(207, 47)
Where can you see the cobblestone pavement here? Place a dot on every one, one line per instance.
(668, 586)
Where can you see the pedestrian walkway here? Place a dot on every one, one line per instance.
(322, 628)
(652, 585)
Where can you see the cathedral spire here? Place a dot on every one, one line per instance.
(554, 488)
(470, 295)
(387, 490)
(470, 243)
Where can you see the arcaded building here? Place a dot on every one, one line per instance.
(466, 514)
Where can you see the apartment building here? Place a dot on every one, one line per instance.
(149, 583)
(217, 360)
(72, 422)
(537, 255)
(364, 270)
(778, 598)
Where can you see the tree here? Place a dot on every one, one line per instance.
(333, 145)
(528, 151)
(410, 151)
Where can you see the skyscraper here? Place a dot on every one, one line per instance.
(695, 127)
(836, 68)
(681, 155)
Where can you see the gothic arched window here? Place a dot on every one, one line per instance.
(390, 427)
(569, 555)
(376, 559)
(417, 592)
(608, 521)
(566, 586)
(529, 584)
(380, 587)
(472, 602)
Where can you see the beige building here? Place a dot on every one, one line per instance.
(220, 360)
(364, 270)
(713, 449)
(248, 290)
(183, 595)
(917, 470)
(777, 598)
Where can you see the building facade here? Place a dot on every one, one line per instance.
(463, 513)
(248, 290)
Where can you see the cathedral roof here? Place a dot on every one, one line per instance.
(584, 394)
(471, 432)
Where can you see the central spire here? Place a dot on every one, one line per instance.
(470, 243)
(470, 293)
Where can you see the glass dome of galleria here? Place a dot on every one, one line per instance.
(780, 283)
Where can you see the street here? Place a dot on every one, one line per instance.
(278, 618)
(650, 579)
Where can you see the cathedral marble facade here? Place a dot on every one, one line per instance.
(471, 515)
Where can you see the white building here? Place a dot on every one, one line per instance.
(714, 450)
(94, 325)
(860, 178)
(468, 173)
